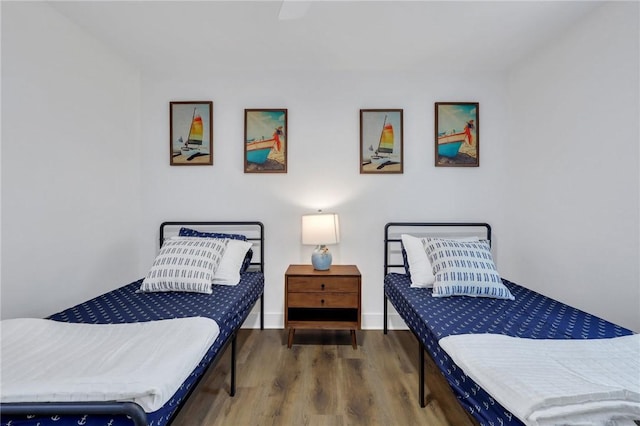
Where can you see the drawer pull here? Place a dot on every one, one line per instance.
(322, 301)
(322, 286)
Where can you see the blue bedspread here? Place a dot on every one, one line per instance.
(530, 315)
(228, 306)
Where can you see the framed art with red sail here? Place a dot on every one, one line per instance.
(191, 133)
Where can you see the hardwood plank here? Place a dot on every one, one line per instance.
(321, 381)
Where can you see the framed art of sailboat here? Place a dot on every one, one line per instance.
(457, 135)
(191, 133)
(381, 147)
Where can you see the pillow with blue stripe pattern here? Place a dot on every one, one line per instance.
(464, 268)
(416, 261)
(185, 264)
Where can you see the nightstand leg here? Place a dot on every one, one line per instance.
(290, 341)
(354, 344)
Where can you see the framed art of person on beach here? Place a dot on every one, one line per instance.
(265, 141)
(191, 133)
(457, 134)
(381, 148)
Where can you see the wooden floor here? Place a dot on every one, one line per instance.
(322, 380)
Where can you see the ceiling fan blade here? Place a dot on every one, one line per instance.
(293, 9)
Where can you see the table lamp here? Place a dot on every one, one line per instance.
(320, 229)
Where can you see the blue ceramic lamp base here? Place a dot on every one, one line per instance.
(321, 258)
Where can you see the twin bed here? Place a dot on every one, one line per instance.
(223, 311)
(444, 322)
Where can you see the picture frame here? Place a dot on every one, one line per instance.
(265, 140)
(457, 134)
(381, 141)
(191, 133)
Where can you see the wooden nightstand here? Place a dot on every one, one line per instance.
(322, 299)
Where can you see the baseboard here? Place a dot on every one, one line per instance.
(376, 322)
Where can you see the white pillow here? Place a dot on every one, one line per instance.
(465, 269)
(419, 265)
(228, 272)
(185, 264)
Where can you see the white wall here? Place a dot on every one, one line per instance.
(572, 219)
(323, 164)
(70, 164)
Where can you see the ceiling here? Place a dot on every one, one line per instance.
(205, 36)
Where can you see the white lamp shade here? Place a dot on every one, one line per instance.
(320, 229)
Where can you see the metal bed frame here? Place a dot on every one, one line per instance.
(392, 239)
(131, 409)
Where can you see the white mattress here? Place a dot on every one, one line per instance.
(50, 361)
(551, 382)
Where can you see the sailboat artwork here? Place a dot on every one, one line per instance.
(386, 155)
(191, 143)
(457, 134)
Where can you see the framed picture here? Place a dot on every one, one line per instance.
(265, 141)
(381, 149)
(191, 133)
(457, 135)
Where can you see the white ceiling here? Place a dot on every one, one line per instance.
(204, 36)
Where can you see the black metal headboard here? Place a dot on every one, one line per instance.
(254, 231)
(394, 230)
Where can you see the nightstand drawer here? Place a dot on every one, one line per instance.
(323, 300)
(319, 284)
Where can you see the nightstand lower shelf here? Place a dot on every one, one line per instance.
(338, 317)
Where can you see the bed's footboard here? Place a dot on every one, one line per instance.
(129, 409)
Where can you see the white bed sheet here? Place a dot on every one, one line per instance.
(551, 382)
(49, 361)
